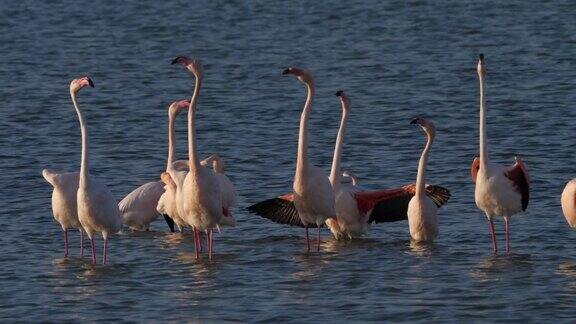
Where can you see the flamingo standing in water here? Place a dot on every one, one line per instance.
(64, 207)
(356, 209)
(198, 195)
(97, 209)
(422, 219)
(568, 201)
(500, 191)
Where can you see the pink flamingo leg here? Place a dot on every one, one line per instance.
(209, 241)
(307, 239)
(507, 227)
(81, 243)
(105, 249)
(196, 243)
(93, 250)
(493, 233)
(318, 239)
(65, 243)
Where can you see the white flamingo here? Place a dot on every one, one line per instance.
(313, 193)
(356, 209)
(568, 201)
(227, 187)
(199, 198)
(500, 191)
(64, 205)
(422, 219)
(97, 209)
(139, 208)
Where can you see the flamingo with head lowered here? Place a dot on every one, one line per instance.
(500, 190)
(198, 193)
(355, 208)
(97, 209)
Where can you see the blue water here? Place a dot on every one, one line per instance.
(395, 59)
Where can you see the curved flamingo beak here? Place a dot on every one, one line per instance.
(90, 82)
(481, 58)
(286, 71)
(339, 93)
(415, 121)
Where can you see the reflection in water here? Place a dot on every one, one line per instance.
(421, 249)
(568, 269)
(496, 266)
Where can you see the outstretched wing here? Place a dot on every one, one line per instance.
(518, 174)
(384, 206)
(279, 209)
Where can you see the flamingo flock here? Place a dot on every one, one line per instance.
(196, 193)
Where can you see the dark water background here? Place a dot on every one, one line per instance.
(396, 60)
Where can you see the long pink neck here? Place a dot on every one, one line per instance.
(84, 166)
(335, 172)
(192, 153)
(421, 177)
(483, 137)
(171, 140)
(302, 159)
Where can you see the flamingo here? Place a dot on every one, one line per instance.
(139, 207)
(356, 208)
(500, 191)
(568, 201)
(64, 207)
(422, 219)
(198, 195)
(227, 187)
(97, 209)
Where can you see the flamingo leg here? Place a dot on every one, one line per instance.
(105, 250)
(65, 243)
(507, 227)
(318, 249)
(209, 241)
(493, 233)
(307, 238)
(196, 243)
(93, 250)
(81, 243)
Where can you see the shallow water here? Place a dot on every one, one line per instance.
(395, 59)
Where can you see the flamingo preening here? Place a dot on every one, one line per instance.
(97, 209)
(64, 206)
(355, 208)
(500, 191)
(198, 194)
(422, 219)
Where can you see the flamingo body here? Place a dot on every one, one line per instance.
(64, 206)
(568, 201)
(138, 208)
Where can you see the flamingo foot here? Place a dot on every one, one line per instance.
(493, 234)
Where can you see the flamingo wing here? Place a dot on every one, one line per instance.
(518, 174)
(279, 209)
(391, 205)
(474, 169)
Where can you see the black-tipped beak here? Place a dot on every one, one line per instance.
(481, 58)
(414, 121)
(170, 222)
(339, 93)
(286, 71)
(176, 60)
(90, 82)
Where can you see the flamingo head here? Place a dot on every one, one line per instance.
(300, 74)
(80, 83)
(481, 65)
(193, 65)
(427, 125)
(177, 106)
(344, 100)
